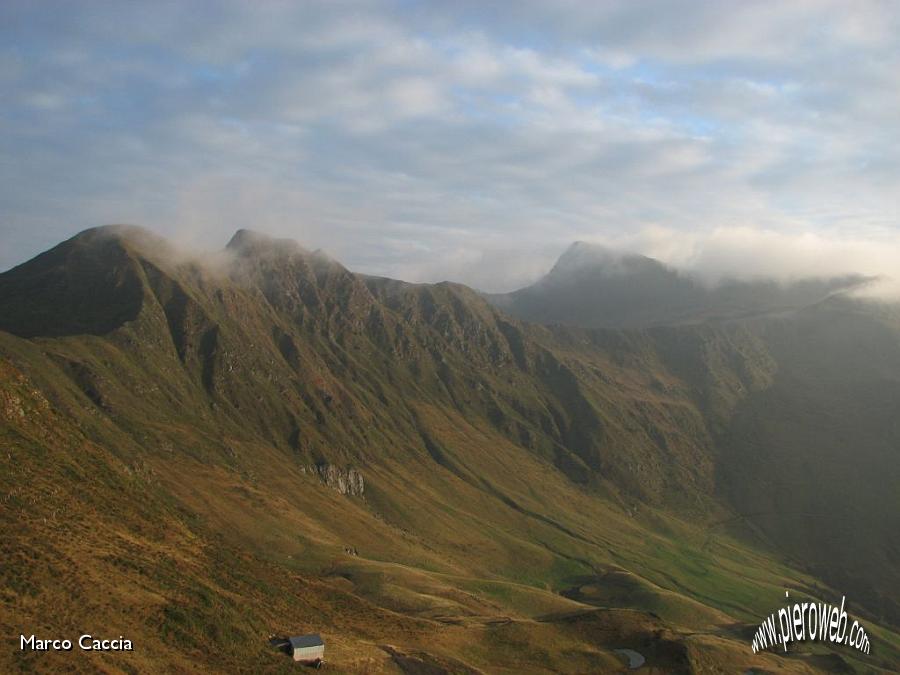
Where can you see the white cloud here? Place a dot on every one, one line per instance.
(460, 130)
(415, 96)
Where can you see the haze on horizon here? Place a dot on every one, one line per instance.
(462, 141)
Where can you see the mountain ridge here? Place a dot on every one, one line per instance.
(597, 287)
(518, 460)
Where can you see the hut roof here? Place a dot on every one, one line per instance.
(301, 641)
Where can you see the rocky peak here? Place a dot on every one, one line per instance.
(248, 242)
(583, 257)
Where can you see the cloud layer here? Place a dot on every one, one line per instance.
(460, 140)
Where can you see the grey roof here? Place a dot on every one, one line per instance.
(302, 641)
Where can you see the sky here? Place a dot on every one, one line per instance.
(471, 141)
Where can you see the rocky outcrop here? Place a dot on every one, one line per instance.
(347, 481)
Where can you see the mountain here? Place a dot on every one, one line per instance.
(593, 286)
(823, 415)
(200, 452)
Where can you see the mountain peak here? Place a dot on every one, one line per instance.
(89, 284)
(248, 242)
(585, 256)
(108, 242)
(117, 231)
(581, 253)
(113, 231)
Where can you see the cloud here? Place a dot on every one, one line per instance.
(751, 253)
(459, 140)
(723, 253)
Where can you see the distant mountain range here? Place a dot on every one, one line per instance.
(594, 287)
(201, 452)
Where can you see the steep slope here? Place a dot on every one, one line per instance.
(87, 285)
(812, 461)
(191, 465)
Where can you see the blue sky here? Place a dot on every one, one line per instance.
(470, 141)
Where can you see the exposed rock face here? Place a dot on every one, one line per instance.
(347, 481)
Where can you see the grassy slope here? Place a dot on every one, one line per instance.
(514, 479)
